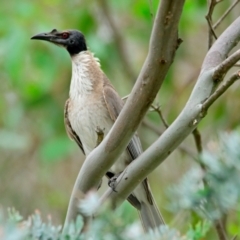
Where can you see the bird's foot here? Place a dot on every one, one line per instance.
(112, 183)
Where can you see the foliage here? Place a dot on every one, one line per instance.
(107, 225)
(199, 231)
(213, 190)
(39, 163)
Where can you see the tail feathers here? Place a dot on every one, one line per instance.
(150, 216)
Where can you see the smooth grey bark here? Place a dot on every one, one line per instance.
(214, 67)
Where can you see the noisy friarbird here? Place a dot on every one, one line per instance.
(93, 103)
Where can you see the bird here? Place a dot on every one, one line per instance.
(93, 103)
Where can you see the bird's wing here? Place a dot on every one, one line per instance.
(113, 101)
(70, 132)
(114, 105)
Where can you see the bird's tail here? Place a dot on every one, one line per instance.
(150, 216)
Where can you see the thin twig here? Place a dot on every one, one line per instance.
(220, 230)
(218, 76)
(119, 40)
(183, 149)
(151, 9)
(225, 14)
(219, 92)
(198, 140)
(155, 129)
(185, 123)
(158, 110)
(211, 32)
(196, 133)
(222, 69)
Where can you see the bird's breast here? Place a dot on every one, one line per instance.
(86, 116)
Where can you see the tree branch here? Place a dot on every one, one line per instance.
(229, 39)
(159, 59)
(185, 123)
(225, 14)
(196, 133)
(120, 44)
(155, 129)
(223, 88)
(158, 110)
(220, 230)
(225, 66)
(211, 33)
(198, 140)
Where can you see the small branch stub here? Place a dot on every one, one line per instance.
(100, 134)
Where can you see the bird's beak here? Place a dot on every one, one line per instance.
(50, 37)
(43, 36)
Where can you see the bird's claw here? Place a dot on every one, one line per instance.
(112, 182)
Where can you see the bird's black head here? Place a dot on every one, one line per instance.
(72, 40)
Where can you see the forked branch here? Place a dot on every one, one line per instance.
(185, 123)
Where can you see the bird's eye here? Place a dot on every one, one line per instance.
(65, 35)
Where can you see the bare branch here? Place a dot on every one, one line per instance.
(120, 44)
(158, 110)
(196, 133)
(220, 230)
(185, 123)
(159, 59)
(218, 75)
(211, 33)
(197, 139)
(223, 68)
(229, 39)
(225, 14)
(155, 129)
(223, 88)
(151, 9)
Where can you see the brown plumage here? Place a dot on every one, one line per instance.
(93, 103)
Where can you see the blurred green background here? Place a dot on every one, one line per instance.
(39, 164)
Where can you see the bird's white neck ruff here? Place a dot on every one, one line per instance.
(81, 82)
